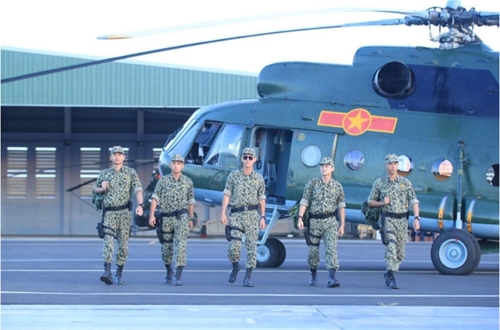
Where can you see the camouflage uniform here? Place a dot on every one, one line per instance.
(402, 196)
(123, 184)
(172, 195)
(321, 199)
(244, 190)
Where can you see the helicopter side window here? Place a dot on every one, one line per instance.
(203, 143)
(492, 175)
(354, 160)
(225, 150)
(405, 165)
(442, 169)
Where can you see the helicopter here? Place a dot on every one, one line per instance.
(437, 108)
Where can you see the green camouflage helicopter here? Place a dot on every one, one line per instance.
(437, 108)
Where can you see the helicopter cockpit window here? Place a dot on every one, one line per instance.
(226, 148)
(202, 143)
(405, 165)
(354, 160)
(442, 169)
(492, 175)
(179, 135)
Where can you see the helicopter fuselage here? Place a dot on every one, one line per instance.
(436, 109)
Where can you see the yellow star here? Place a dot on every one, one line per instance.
(357, 121)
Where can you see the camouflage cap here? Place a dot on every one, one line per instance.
(391, 158)
(177, 158)
(249, 151)
(326, 160)
(117, 149)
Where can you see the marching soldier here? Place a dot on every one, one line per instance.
(245, 192)
(118, 184)
(395, 194)
(322, 198)
(174, 193)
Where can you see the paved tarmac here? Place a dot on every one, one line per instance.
(53, 283)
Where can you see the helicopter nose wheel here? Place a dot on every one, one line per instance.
(271, 254)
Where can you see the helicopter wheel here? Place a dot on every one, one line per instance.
(267, 254)
(455, 252)
(281, 252)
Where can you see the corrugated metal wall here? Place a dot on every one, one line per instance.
(116, 84)
(52, 124)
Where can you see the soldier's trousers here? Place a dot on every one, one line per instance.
(248, 221)
(396, 235)
(328, 230)
(175, 242)
(119, 222)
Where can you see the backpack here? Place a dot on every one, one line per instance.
(372, 214)
(97, 200)
(293, 212)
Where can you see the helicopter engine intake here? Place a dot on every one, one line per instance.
(394, 80)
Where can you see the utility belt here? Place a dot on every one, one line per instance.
(323, 215)
(176, 213)
(243, 209)
(395, 215)
(118, 208)
(100, 225)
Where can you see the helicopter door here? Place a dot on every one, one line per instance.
(273, 148)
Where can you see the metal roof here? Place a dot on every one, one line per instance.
(116, 84)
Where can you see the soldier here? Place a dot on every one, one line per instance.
(395, 194)
(175, 195)
(324, 199)
(245, 192)
(118, 184)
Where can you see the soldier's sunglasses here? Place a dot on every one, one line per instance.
(248, 157)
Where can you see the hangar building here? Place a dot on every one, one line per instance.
(57, 130)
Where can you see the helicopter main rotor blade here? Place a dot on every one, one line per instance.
(245, 19)
(385, 22)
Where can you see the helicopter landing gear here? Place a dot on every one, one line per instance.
(271, 254)
(455, 252)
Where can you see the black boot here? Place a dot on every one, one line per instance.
(234, 272)
(170, 273)
(312, 281)
(106, 276)
(177, 277)
(390, 279)
(247, 280)
(332, 282)
(118, 275)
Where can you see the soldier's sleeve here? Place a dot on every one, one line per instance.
(412, 196)
(228, 190)
(305, 195)
(341, 198)
(375, 192)
(158, 190)
(99, 180)
(261, 191)
(191, 192)
(136, 182)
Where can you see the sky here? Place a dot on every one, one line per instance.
(72, 27)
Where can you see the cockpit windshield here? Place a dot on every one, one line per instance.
(182, 140)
